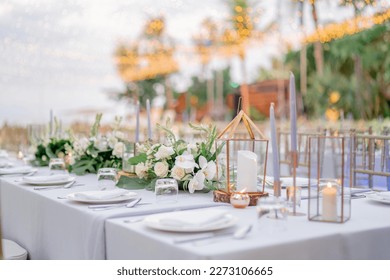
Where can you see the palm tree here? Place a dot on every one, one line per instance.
(242, 31)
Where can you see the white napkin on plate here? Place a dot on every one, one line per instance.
(195, 218)
(100, 195)
(384, 195)
(44, 179)
(16, 170)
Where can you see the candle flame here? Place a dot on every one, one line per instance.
(243, 190)
(329, 185)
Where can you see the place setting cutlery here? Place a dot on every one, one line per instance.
(211, 237)
(131, 204)
(66, 186)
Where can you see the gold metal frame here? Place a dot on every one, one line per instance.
(343, 196)
(369, 142)
(229, 134)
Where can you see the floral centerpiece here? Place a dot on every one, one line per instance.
(193, 165)
(98, 151)
(53, 148)
(57, 146)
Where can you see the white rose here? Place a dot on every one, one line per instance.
(178, 173)
(119, 148)
(164, 152)
(161, 169)
(141, 148)
(101, 144)
(119, 135)
(112, 142)
(81, 146)
(141, 170)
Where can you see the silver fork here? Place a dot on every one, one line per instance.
(67, 186)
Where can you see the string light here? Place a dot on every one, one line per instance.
(348, 27)
(159, 58)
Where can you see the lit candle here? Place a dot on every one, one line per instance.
(137, 124)
(240, 199)
(246, 171)
(149, 124)
(329, 203)
(293, 114)
(275, 154)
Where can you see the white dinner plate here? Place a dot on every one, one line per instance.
(378, 198)
(47, 181)
(124, 197)
(288, 181)
(16, 170)
(153, 221)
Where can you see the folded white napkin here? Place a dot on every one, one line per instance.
(50, 178)
(6, 164)
(15, 170)
(384, 195)
(3, 154)
(195, 218)
(101, 195)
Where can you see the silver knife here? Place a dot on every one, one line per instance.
(202, 236)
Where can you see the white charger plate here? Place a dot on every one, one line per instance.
(34, 182)
(154, 223)
(124, 197)
(16, 170)
(378, 198)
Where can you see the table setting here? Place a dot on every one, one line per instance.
(212, 199)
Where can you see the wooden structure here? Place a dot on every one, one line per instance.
(262, 94)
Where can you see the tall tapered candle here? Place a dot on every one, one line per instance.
(137, 124)
(275, 151)
(293, 114)
(149, 121)
(51, 123)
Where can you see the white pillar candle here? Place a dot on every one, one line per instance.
(246, 171)
(149, 121)
(329, 203)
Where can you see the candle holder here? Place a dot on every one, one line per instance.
(129, 152)
(330, 197)
(239, 199)
(242, 160)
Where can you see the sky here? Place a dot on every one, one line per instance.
(58, 55)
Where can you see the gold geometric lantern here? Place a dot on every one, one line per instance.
(242, 160)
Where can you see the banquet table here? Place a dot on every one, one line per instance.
(52, 228)
(365, 236)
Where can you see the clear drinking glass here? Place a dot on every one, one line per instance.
(57, 166)
(107, 178)
(166, 190)
(290, 193)
(272, 214)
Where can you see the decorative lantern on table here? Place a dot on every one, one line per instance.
(242, 160)
(129, 152)
(329, 179)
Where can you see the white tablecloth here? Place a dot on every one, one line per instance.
(52, 228)
(365, 236)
